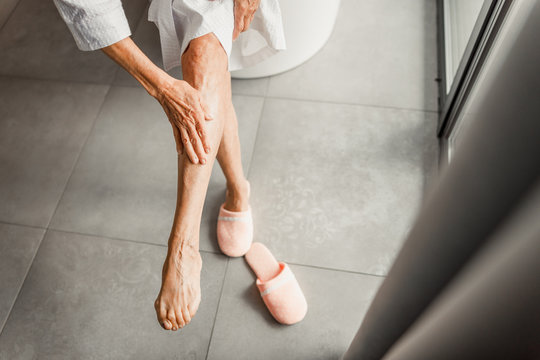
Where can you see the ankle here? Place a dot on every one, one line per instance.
(177, 256)
(183, 244)
(238, 189)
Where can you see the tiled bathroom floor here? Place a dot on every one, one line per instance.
(338, 152)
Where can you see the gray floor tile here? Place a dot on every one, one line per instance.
(43, 126)
(6, 9)
(35, 42)
(147, 38)
(244, 328)
(381, 52)
(124, 185)
(18, 246)
(92, 298)
(338, 185)
(250, 86)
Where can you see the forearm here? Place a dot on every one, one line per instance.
(128, 55)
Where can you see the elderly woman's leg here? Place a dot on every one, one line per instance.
(204, 66)
(230, 160)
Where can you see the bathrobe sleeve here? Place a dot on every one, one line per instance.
(94, 23)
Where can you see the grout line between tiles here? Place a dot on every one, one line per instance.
(353, 104)
(267, 86)
(79, 154)
(121, 239)
(339, 103)
(22, 282)
(10, 15)
(261, 115)
(163, 245)
(56, 207)
(105, 237)
(228, 259)
(58, 81)
(217, 308)
(248, 95)
(332, 269)
(133, 32)
(22, 225)
(47, 228)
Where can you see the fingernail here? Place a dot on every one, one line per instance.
(203, 161)
(207, 150)
(195, 160)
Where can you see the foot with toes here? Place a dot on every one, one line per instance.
(180, 293)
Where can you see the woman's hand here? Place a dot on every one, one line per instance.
(182, 103)
(244, 10)
(187, 114)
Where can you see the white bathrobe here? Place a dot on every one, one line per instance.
(99, 23)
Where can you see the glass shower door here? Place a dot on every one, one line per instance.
(460, 17)
(467, 31)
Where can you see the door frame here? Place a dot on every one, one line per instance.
(488, 23)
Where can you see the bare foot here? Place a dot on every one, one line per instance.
(180, 293)
(236, 197)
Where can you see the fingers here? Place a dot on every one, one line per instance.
(196, 133)
(188, 146)
(197, 143)
(188, 114)
(239, 13)
(247, 20)
(193, 138)
(203, 114)
(244, 11)
(195, 124)
(242, 24)
(201, 132)
(177, 139)
(206, 110)
(238, 26)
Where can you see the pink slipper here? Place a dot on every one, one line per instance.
(235, 230)
(278, 286)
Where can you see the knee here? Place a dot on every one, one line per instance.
(205, 50)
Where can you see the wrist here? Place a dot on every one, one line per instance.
(131, 58)
(155, 81)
